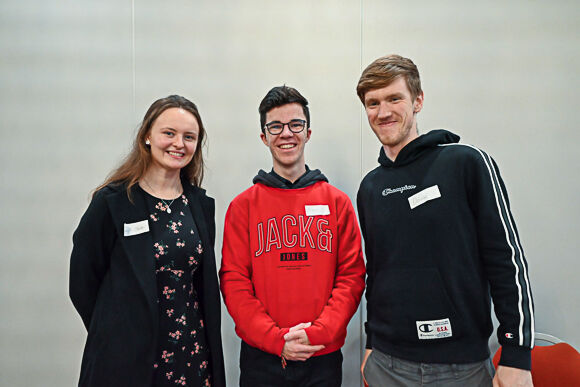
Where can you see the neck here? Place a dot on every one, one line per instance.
(290, 173)
(393, 151)
(161, 183)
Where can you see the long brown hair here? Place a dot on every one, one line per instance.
(139, 159)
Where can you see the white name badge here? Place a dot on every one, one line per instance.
(319, 209)
(434, 329)
(424, 196)
(136, 228)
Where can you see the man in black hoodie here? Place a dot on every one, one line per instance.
(440, 243)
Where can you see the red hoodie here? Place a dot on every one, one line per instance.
(291, 256)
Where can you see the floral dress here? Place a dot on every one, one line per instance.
(182, 357)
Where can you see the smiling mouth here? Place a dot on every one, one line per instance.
(287, 146)
(175, 154)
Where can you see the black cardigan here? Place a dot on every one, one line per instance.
(113, 287)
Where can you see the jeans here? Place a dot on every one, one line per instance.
(385, 370)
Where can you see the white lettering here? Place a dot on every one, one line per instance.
(260, 239)
(273, 235)
(288, 242)
(305, 231)
(324, 236)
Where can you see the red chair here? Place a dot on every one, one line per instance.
(552, 365)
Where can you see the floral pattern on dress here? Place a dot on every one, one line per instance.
(182, 357)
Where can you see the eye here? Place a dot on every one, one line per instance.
(296, 124)
(168, 133)
(189, 137)
(275, 127)
(372, 103)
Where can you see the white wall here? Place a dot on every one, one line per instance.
(77, 76)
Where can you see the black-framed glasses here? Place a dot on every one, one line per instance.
(276, 127)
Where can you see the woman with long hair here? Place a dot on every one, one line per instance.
(143, 273)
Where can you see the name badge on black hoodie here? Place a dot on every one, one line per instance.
(424, 196)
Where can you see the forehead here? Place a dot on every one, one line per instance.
(178, 119)
(398, 86)
(286, 113)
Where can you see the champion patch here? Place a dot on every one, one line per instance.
(434, 329)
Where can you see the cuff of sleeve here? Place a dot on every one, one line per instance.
(516, 357)
(316, 336)
(369, 344)
(279, 344)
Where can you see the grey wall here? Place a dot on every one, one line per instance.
(77, 76)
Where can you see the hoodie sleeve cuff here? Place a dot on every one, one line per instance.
(516, 357)
(369, 344)
(316, 336)
(280, 342)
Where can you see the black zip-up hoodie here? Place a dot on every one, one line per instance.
(440, 239)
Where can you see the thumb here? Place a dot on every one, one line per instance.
(300, 326)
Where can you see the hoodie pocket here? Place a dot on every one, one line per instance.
(412, 306)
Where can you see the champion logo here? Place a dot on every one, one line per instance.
(388, 191)
(426, 328)
(509, 335)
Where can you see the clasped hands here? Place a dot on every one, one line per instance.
(297, 345)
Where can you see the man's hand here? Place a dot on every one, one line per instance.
(362, 367)
(297, 346)
(511, 377)
(298, 333)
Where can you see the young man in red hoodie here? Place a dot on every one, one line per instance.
(292, 270)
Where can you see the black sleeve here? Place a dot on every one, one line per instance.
(209, 207)
(92, 245)
(369, 264)
(504, 262)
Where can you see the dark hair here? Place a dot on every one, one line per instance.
(139, 159)
(282, 95)
(384, 70)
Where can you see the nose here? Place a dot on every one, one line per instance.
(286, 132)
(384, 110)
(178, 141)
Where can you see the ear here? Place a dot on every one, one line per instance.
(418, 103)
(264, 138)
(308, 134)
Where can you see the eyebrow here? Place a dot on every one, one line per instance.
(175, 130)
(400, 95)
(279, 122)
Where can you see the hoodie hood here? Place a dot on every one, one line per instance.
(415, 148)
(273, 180)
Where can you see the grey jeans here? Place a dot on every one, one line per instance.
(384, 370)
